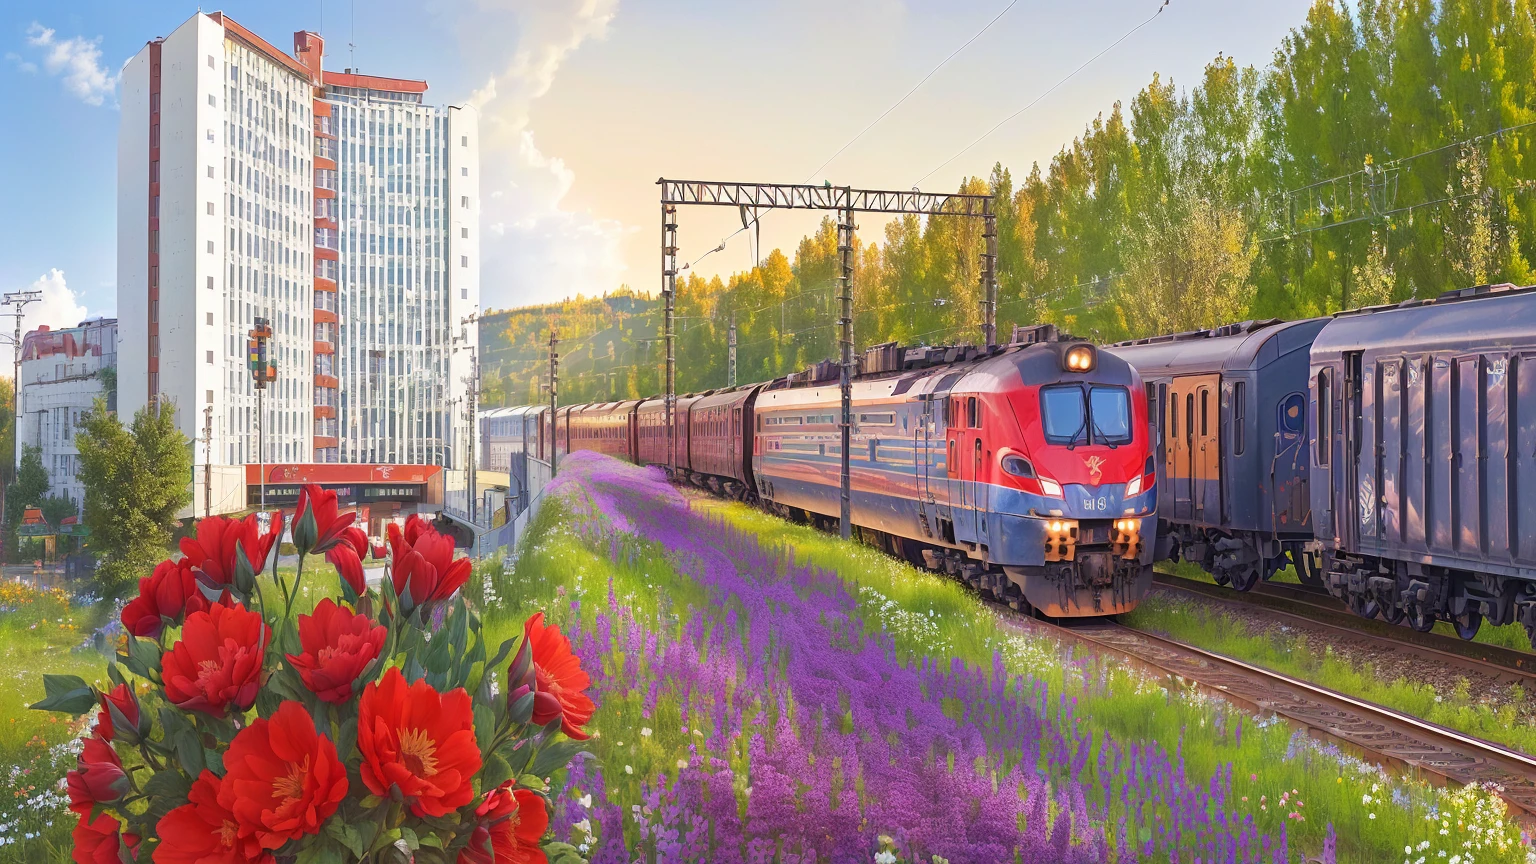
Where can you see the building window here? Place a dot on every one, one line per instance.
(213, 103)
(210, 61)
(464, 233)
(210, 247)
(463, 140)
(210, 283)
(463, 172)
(210, 208)
(210, 396)
(210, 319)
(463, 260)
(210, 357)
(210, 172)
(464, 200)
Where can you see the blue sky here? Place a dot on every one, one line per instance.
(584, 103)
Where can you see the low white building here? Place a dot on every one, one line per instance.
(61, 378)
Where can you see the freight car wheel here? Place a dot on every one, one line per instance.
(1244, 578)
(1467, 623)
(1393, 614)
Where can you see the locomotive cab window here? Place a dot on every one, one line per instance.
(1075, 415)
(973, 413)
(1324, 418)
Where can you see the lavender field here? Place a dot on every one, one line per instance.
(767, 693)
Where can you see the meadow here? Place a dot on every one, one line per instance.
(768, 693)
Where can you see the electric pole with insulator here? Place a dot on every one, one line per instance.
(207, 461)
(731, 362)
(845, 229)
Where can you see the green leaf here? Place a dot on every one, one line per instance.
(485, 726)
(562, 853)
(68, 694)
(168, 783)
(411, 841)
(346, 834)
(556, 756)
(189, 751)
(431, 840)
(346, 740)
(214, 760)
(495, 772)
(146, 652)
(522, 709)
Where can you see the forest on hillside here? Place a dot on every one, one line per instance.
(1380, 155)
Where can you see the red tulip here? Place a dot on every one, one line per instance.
(203, 831)
(97, 779)
(230, 552)
(347, 557)
(559, 681)
(217, 663)
(169, 593)
(317, 527)
(422, 566)
(510, 824)
(339, 647)
(282, 779)
(120, 715)
(418, 741)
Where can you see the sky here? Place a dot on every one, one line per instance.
(584, 104)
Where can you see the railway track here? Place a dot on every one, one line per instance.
(1321, 611)
(1378, 734)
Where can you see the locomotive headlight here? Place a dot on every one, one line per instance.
(1050, 487)
(1133, 488)
(1127, 526)
(1079, 358)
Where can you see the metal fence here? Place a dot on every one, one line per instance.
(504, 538)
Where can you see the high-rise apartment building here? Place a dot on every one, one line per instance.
(254, 184)
(63, 372)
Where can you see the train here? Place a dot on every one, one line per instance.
(1025, 470)
(1388, 453)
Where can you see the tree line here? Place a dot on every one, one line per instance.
(1379, 156)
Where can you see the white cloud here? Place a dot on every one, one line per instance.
(24, 65)
(58, 307)
(77, 60)
(536, 247)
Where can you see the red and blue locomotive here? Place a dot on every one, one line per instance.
(1023, 469)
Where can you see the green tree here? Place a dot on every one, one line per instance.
(136, 479)
(28, 490)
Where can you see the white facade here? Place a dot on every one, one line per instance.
(61, 378)
(226, 201)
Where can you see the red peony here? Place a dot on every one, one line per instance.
(203, 831)
(99, 841)
(347, 556)
(422, 566)
(339, 646)
(560, 681)
(317, 527)
(97, 779)
(511, 824)
(170, 592)
(282, 779)
(423, 742)
(120, 712)
(217, 663)
(220, 538)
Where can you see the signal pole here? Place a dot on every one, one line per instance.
(731, 363)
(668, 293)
(262, 372)
(207, 461)
(554, 403)
(18, 301)
(472, 400)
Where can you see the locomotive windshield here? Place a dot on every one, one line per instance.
(1073, 415)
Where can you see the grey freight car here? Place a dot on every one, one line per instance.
(1232, 439)
(1424, 469)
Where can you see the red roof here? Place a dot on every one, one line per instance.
(375, 82)
(258, 43)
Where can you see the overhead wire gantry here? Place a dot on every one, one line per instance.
(846, 202)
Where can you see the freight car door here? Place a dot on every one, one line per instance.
(1180, 412)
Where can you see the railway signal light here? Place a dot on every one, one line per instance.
(262, 369)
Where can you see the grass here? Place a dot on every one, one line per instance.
(1273, 770)
(1506, 636)
(1215, 630)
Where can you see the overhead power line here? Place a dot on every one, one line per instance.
(908, 94)
(1084, 65)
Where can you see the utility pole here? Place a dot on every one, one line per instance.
(262, 372)
(554, 398)
(472, 401)
(731, 363)
(207, 461)
(18, 301)
(845, 229)
(668, 293)
(989, 277)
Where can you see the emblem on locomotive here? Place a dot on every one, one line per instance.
(1095, 467)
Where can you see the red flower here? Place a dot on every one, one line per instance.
(220, 539)
(282, 779)
(316, 525)
(98, 841)
(511, 824)
(422, 566)
(423, 742)
(170, 592)
(98, 778)
(347, 556)
(217, 662)
(120, 713)
(560, 682)
(203, 831)
(339, 646)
